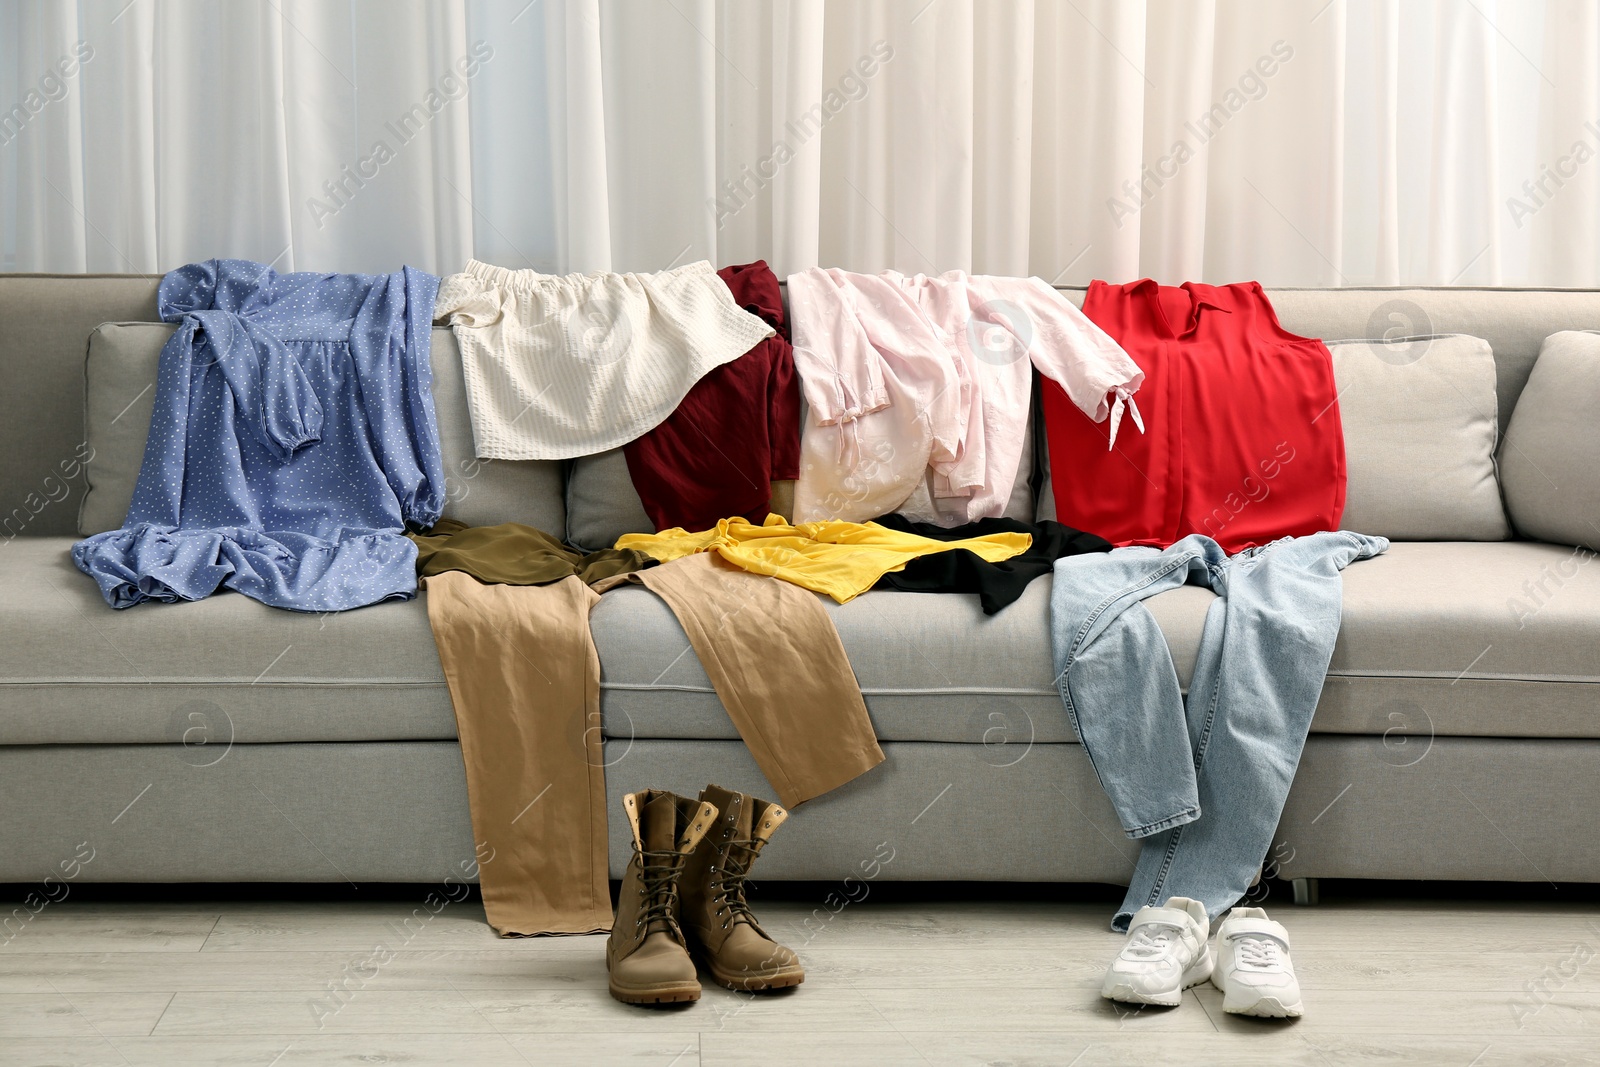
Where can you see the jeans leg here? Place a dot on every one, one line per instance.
(1118, 683)
(1250, 707)
(1122, 694)
(1148, 886)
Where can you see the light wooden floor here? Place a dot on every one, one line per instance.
(1415, 982)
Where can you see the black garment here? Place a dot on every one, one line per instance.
(962, 571)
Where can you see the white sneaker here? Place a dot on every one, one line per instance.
(1253, 969)
(1166, 952)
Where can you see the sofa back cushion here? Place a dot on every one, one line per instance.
(602, 503)
(1514, 321)
(1549, 462)
(119, 394)
(45, 322)
(1420, 424)
(1420, 427)
(120, 375)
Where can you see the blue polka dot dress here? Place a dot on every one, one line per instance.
(292, 440)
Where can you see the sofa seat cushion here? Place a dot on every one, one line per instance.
(1470, 639)
(1457, 638)
(74, 671)
(932, 667)
(1431, 645)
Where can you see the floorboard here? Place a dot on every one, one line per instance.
(1457, 982)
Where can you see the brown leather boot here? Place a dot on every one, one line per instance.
(645, 953)
(722, 931)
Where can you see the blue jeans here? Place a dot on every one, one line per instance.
(1203, 782)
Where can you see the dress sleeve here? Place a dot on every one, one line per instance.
(270, 389)
(271, 393)
(390, 344)
(192, 287)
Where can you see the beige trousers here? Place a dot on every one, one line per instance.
(525, 681)
(775, 659)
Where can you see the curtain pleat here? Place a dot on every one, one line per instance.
(1341, 143)
(1565, 175)
(53, 232)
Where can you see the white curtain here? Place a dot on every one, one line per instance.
(1320, 142)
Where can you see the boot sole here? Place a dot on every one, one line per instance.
(744, 983)
(757, 983)
(679, 994)
(666, 993)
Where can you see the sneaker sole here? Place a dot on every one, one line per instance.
(1265, 1008)
(1199, 971)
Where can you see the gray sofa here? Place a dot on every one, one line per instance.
(226, 741)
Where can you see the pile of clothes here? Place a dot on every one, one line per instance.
(293, 456)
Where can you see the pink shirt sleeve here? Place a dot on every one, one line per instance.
(925, 368)
(840, 372)
(1072, 351)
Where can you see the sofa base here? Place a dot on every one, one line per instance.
(1460, 809)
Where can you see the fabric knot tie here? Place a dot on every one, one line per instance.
(1124, 399)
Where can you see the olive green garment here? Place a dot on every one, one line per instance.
(514, 554)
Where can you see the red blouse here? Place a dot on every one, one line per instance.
(1242, 436)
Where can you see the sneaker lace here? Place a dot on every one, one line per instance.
(1258, 951)
(660, 883)
(1150, 940)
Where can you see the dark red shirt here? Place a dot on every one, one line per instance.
(1242, 438)
(734, 434)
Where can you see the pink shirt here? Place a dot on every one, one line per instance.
(912, 376)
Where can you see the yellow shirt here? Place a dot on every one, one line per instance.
(841, 559)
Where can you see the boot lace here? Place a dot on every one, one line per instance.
(660, 883)
(729, 885)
